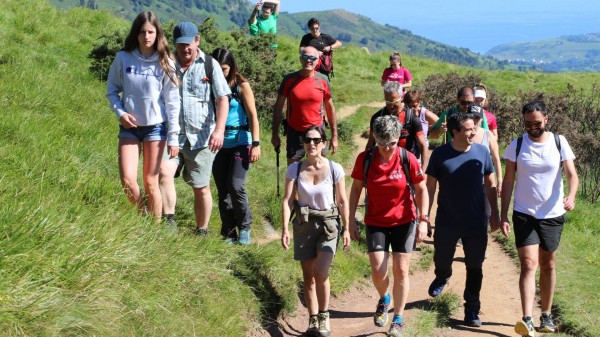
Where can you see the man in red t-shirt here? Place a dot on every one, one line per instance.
(307, 93)
(412, 137)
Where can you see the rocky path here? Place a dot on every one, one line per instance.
(352, 312)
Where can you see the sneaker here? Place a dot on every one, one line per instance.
(202, 232)
(244, 238)
(230, 241)
(381, 313)
(171, 224)
(546, 323)
(436, 287)
(324, 328)
(525, 328)
(313, 326)
(472, 317)
(395, 330)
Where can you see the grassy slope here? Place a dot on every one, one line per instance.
(75, 256)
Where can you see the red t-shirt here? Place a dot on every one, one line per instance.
(390, 202)
(306, 99)
(491, 120)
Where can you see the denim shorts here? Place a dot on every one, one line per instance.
(145, 133)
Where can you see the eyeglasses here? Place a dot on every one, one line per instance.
(308, 58)
(465, 103)
(529, 125)
(316, 141)
(386, 144)
(393, 102)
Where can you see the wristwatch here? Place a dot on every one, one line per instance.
(255, 143)
(424, 217)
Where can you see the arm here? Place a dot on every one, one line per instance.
(216, 138)
(355, 192)
(496, 160)
(252, 20)
(342, 204)
(507, 190)
(440, 126)
(492, 195)
(422, 196)
(406, 84)
(431, 118)
(495, 132)
(573, 182)
(114, 87)
(250, 108)
(277, 117)
(422, 144)
(286, 205)
(170, 95)
(330, 108)
(431, 186)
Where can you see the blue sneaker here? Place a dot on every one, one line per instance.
(244, 238)
(436, 287)
(472, 317)
(380, 318)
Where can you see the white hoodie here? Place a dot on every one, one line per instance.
(140, 87)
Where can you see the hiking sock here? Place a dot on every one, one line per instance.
(322, 312)
(397, 319)
(386, 299)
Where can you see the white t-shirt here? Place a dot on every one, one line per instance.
(319, 196)
(539, 186)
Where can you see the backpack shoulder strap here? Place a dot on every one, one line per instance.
(367, 164)
(518, 149)
(557, 141)
(208, 72)
(333, 180)
(406, 169)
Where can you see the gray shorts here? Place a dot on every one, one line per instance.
(309, 239)
(401, 238)
(197, 167)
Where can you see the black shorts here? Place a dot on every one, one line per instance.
(401, 238)
(294, 147)
(531, 231)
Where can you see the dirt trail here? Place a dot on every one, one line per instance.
(352, 312)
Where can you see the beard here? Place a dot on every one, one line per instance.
(536, 133)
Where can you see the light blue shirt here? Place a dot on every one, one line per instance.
(197, 117)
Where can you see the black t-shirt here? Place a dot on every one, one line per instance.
(318, 42)
(410, 128)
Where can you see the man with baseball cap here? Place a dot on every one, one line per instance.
(204, 108)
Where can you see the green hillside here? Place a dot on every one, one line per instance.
(350, 28)
(567, 53)
(76, 259)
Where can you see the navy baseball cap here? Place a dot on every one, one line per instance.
(185, 32)
(475, 109)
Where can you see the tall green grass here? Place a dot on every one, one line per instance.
(75, 258)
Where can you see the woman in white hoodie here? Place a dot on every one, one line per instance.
(143, 93)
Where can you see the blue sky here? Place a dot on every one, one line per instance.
(477, 25)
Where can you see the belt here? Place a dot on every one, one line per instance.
(242, 127)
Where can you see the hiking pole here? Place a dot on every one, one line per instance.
(277, 163)
(445, 132)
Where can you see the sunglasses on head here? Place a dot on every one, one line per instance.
(308, 58)
(386, 144)
(393, 102)
(316, 141)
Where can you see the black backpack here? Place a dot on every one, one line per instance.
(405, 167)
(326, 64)
(520, 142)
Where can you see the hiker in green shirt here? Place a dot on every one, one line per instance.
(463, 99)
(267, 21)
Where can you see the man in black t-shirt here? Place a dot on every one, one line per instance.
(322, 42)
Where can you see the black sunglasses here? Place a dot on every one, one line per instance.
(308, 57)
(317, 141)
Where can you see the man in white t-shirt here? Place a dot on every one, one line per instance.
(539, 208)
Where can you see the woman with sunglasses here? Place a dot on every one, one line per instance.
(319, 185)
(143, 93)
(391, 218)
(241, 147)
(397, 73)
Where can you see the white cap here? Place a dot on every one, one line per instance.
(480, 93)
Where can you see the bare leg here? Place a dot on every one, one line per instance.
(310, 292)
(379, 274)
(321, 277)
(400, 263)
(167, 186)
(152, 157)
(202, 206)
(129, 155)
(528, 256)
(547, 278)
